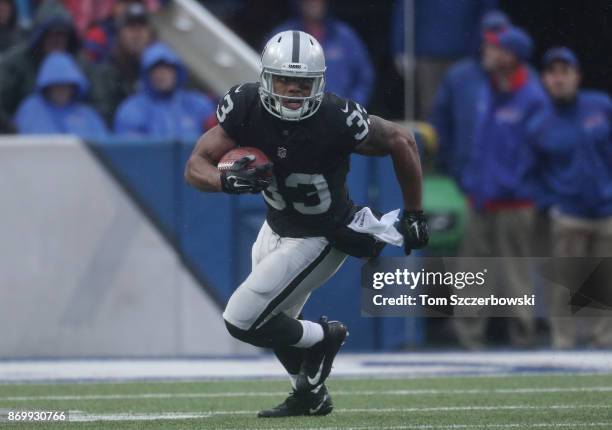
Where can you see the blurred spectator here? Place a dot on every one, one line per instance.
(100, 36)
(444, 31)
(101, 12)
(454, 110)
(163, 108)
(56, 106)
(496, 178)
(574, 164)
(53, 32)
(10, 32)
(117, 78)
(349, 69)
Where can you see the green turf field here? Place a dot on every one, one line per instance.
(514, 402)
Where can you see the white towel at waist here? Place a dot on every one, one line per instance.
(383, 229)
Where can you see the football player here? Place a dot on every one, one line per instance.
(309, 136)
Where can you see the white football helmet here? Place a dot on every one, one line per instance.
(292, 54)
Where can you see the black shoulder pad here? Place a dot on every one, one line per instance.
(351, 118)
(234, 106)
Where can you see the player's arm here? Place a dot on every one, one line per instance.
(201, 171)
(388, 138)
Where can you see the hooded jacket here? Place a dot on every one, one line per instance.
(573, 165)
(180, 114)
(454, 110)
(37, 115)
(497, 173)
(19, 67)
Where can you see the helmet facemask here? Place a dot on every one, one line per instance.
(275, 103)
(292, 55)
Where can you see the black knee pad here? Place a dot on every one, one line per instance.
(246, 336)
(252, 337)
(280, 330)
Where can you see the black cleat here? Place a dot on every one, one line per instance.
(300, 404)
(319, 358)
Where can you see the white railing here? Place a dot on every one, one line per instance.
(215, 55)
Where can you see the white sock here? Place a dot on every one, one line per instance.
(312, 333)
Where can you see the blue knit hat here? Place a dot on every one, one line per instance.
(562, 54)
(512, 39)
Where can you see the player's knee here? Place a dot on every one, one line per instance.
(237, 317)
(236, 332)
(252, 337)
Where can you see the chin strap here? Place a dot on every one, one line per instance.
(283, 110)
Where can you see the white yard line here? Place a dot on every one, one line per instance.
(410, 365)
(78, 416)
(474, 408)
(457, 426)
(552, 390)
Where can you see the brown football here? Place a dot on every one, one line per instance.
(237, 153)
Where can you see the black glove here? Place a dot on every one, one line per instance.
(241, 179)
(413, 226)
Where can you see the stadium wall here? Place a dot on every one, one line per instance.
(107, 252)
(85, 272)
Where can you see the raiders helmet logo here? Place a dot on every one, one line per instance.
(281, 152)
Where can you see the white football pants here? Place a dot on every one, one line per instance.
(285, 271)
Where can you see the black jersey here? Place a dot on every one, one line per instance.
(308, 195)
